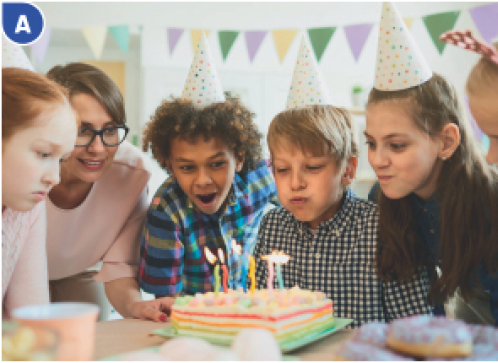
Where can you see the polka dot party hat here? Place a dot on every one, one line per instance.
(14, 56)
(203, 85)
(400, 64)
(307, 87)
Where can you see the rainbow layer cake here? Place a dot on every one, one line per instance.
(289, 314)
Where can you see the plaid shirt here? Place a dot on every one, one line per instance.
(172, 255)
(339, 260)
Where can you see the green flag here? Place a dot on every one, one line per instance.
(319, 38)
(227, 38)
(122, 35)
(437, 24)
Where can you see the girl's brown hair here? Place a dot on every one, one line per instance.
(467, 196)
(25, 95)
(85, 78)
(483, 77)
(318, 129)
(229, 121)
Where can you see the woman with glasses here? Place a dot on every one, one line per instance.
(96, 214)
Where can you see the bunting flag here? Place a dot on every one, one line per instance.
(121, 33)
(486, 20)
(173, 37)
(227, 38)
(357, 35)
(283, 39)
(320, 38)
(253, 42)
(195, 37)
(408, 22)
(95, 37)
(39, 48)
(438, 24)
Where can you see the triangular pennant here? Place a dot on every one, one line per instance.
(121, 34)
(226, 38)
(486, 20)
(203, 85)
(173, 37)
(195, 36)
(437, 24)
(253, 41)
(357, 36)
(283, 40)
(307, 87)
(408, 22)
(400, 64)
(95, 37)
(14, 56)
(39, 48)
(319, 38)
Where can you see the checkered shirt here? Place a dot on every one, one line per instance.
(339, 260)
(172, 257)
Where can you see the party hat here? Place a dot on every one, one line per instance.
(307, 87)
(203, 85)
(400, 64)
(14, 56)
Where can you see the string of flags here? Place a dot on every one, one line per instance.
(484, 17)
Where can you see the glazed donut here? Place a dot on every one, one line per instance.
(425, 335)
(373, 333)
(356, 351)
(484, 334)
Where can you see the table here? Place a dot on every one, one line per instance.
(126, 335)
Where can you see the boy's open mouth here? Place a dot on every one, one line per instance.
(206, 198)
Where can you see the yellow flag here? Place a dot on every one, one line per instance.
(95, 37)
(195, 36)
(283, 40)
(408, 22)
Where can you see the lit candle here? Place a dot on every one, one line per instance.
(269, 282)
(224, 269)
(212, 260)
(237, 250)
(279, 275)
(252, 273)
(279, 258)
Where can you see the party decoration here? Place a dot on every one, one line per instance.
(307, 87)
(466, 40)
(195, 36)
(283, 40)
(357, 35)
(173, 37)
(14, 56)
(95, 37)
(224, 270)
(320, 38)
(277, 258)
(400, 64)
(408, 22)
(214, 261)
(227, 38)
(121, 33)
(486, 20)
(437, 24)
(253, 42)
(39, 48)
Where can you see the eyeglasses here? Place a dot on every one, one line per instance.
(110, 136)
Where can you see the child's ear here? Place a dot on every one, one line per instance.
(239, 163)
(350, 170)
(450, 139)
(167, 163)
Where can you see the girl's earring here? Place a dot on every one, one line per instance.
(444, 158)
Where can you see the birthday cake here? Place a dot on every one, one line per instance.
(290, 314)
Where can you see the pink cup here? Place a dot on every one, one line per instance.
(73, 322)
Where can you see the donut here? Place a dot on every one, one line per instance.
(373, 333)
(484, 334)
(187, 348)
(426, 335)
(356, 351)
(256, 344)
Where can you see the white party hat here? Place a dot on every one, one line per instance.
(400, 64)
(307, 87)
(14, 56)
(203, 85)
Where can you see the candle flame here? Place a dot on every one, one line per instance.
(220, 254)
(210, 257)
(236, 247)
(277, 257)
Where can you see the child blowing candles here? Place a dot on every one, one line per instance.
(330, 234)
(219, 185)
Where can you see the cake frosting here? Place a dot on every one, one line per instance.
(289, 314)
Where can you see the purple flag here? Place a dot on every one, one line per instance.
(486, 20)
(253, 41)
(173, 36)
(39, 48)
(357, 36)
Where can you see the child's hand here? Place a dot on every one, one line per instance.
(156, 310)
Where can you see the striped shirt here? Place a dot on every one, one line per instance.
(338, 259)
(172, 257)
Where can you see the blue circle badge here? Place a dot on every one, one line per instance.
(23, 23)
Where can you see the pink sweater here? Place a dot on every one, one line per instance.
(24, 258)
(106, 227)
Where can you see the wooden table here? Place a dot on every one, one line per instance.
(126, 335)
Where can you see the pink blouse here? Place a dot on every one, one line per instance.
(24, 258)
(106, 227)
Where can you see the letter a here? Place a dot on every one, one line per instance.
(22, 24)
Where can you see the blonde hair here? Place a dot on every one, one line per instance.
(483, 77)
(319, 129)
